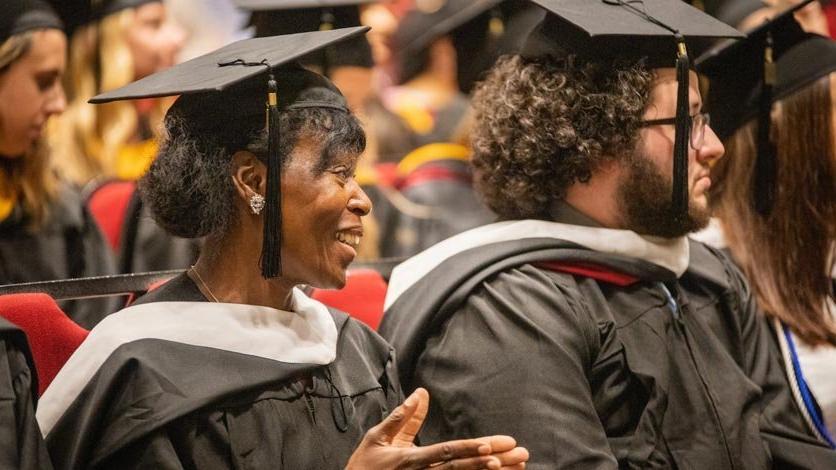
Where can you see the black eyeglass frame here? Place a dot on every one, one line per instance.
(672, 121)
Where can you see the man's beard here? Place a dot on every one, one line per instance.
(645, 198)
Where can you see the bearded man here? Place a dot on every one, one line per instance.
(586, 323)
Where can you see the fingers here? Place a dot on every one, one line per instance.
(499, 443)
(406, 436)
(448, 452)
(513, 457)
(473, 463)
(385, 432)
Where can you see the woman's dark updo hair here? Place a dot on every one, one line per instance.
(189, 188)
(543, 124)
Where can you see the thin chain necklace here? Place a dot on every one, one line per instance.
(195, 276)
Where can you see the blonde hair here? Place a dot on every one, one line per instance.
(27, 179)
(88, 138)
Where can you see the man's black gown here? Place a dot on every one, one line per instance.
(598, 371)
(166, 405)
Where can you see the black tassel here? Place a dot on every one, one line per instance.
(683, 131)
(766, 165)
(271, 263)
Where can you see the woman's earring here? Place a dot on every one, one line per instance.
(256, 203)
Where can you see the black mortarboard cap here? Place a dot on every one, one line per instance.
(77, 13)
(19, 16)
(278, 17)
(474, 25)
(777, 59)
(733, 12)
(659, 32)
(245, 78)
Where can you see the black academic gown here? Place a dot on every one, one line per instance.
(444, 188)
(147, 247)
(166, 405)
(21, 444)
(69, 245)
(586, 373)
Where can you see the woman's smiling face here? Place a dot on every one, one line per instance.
(322, 210)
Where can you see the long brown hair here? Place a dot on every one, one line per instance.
(28, 178)
(788, 255)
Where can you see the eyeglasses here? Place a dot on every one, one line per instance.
(699, 122)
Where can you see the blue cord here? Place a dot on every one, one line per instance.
(809, 401)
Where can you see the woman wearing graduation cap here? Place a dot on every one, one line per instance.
(230, 365)
(45, 231)
(775, 197)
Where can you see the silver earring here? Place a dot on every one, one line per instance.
(256, 203)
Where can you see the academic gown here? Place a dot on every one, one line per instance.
(596, 359)
(69, 245)
(148, 247)
(443, 186)
(21, 444)
(190, 403)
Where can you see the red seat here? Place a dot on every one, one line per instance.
(362, 297)
(109, 203)
(52, 335)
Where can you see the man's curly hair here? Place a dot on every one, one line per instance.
(542, 125)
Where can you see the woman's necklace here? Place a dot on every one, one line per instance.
(195, 276)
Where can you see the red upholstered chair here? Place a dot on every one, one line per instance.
(109, 203)
(52, 335)
(362, 297)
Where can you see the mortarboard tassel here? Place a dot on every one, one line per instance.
(271, 263)
(766, 165)
(683, 131)
(496, 26)
(326, 23)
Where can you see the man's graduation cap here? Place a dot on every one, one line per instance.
(248, 78)
(660, 32)
(279, 17)
(20, 16)
(777, 59)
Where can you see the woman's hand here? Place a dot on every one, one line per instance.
(389, 445)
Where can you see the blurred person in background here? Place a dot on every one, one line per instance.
(422, 125)
(45, 231)
(112, 43)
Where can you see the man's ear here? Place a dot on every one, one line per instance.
(249, 175)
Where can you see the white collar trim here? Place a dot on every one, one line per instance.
(308, 334)
(670, 253)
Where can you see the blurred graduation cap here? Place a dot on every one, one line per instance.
(278, 17)
(473, 24)
(777, 59)
(249, 78)
(733, 12)
(658, 32)
(19, 16)
(77, 13)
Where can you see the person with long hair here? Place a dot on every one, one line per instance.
(45, 231)
(231, 365)
(774, 195)
(113, 43)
